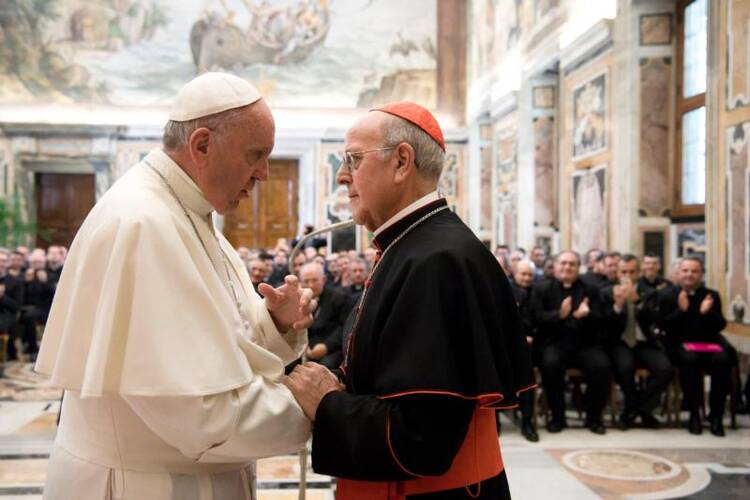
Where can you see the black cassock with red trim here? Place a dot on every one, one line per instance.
(438, 335)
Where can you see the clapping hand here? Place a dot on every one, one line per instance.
(683, 302)
(566, 307)
(631, 292)
(706, 304)
(619, 293)
(291, 306)
(583, 309)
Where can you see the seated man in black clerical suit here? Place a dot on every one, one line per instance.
(650, 279)
(257, 269)
(594, 275)
(324, 336)
(357, 276)
(567, 314)
(524, 274)
(37, 301)
(631, 340)
(692, 317)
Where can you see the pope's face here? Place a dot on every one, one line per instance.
(238, 158)
(370, 186)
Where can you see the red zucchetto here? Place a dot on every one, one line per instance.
(419, 116)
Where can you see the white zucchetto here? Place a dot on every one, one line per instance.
(212, 93)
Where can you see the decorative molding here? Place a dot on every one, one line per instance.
(595, 41)
(543, 56)
(504, 105)
(41, 130)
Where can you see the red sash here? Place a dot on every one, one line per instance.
(478, 459)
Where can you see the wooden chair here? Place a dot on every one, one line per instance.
(733, 399)
(4, 339)
(576, 378)
(667, 408)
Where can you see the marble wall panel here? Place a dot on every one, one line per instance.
(481, 38)
(451, 181)
(738, 223)
(543, 7)
(486, 191)
(545, 193)
(497, 27)
(333, 199)
(130, 153)
(738, 53)
(506, 178)
(4, 168)
(506, 221)
(590, 117)
(506, 147)
(64, 147)
(656, 29)
(656, 80)
(544, 97)
(589, 202)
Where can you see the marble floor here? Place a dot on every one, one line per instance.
(575, 464)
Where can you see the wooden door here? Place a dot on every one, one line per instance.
(62, 203)
(271, 211)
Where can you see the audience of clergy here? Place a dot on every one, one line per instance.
(609, 323)
(28, 280)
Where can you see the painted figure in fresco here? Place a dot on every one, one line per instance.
(544, 193)
(589, 229)
(589, 134)
(275, 36)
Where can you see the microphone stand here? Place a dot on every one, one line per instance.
(296, 250)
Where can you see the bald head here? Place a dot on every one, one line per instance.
(313, 276)
(390, 164)
(523, 273)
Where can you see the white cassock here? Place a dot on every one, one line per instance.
(167, 394)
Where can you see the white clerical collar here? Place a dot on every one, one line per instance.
(188, 192)
(423, 201)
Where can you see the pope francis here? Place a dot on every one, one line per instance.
(170, 362)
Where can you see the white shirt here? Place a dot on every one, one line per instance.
(423, 201)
